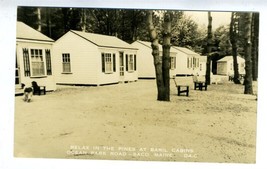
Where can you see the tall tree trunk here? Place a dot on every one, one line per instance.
(39, 20)
(255, 35)
(48, 22)
(248, 62)
(83, 20)
(155, 52)
(133, 25)
(233, 39)
(166, 54)
(209, 45)
(65, 12)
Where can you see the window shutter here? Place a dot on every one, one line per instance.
(126, 57)
(103, 62)
(26, 61)
(48, 62)
(114, 62)
(135, 62)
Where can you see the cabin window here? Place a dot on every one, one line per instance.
(189, 62)
(121, 64)
(108, 62)
(130, 62)
(66, 63)
(195, 62)
(37, 62)
(173, 65)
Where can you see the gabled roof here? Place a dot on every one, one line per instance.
(26, 32)
(228, 58)
(225, 59)
(145, 43)
(148, 44)
(103, 40)
(185, 50)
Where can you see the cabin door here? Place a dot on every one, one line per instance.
(121, 66)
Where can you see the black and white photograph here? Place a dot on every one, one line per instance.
(135, 84)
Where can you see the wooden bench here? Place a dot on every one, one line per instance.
(199, 83)
(181, 88)
(38, 89)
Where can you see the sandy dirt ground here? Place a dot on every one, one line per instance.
(125, 121)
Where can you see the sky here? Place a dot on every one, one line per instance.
(218, 18)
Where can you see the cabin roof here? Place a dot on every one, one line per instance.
(173, 49)
(185, 50)
(103, 40)
(145, 43)
(148, 44)
(26, 32)
(227, 58)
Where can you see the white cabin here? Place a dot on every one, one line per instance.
(92, 59)
(187, 62)
(145, 62)
(225, 66)
(34, 58)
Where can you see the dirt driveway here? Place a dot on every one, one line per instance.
(125, 121)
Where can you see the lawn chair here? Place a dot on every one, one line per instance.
(199, 83)
(181, 88)
(38, 89)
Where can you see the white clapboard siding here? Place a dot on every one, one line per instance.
(47, 80)
(145, 61)
(130, 76)
(83, 60)
(225, 65)
(107, 78)
(29, 38)
(182, 56)
(181, 63)
(86, 58)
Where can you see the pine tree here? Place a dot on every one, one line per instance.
(162, 66)
(247, 47)
(233, 40)
(209, 45)
(255, 45)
